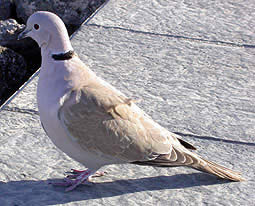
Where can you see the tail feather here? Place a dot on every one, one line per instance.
(180, 156)
(218, 170)
(194, 161)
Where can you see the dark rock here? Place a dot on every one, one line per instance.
(9, 31)
(73, 13)
(12, 72)
(5, 9)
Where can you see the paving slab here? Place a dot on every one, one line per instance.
(199, 20)
(201, 89)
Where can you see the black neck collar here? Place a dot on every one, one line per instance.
(63, 56)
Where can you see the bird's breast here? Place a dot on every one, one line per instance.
(49, 93)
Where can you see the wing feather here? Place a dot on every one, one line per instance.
(104, 121)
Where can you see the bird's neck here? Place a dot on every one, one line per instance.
(58, 45)
(48, 52)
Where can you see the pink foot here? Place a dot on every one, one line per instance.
(77, 179)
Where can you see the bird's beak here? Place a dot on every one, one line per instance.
(23, 34)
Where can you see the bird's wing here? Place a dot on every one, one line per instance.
(104, 121)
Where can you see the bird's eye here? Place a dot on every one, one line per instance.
(36, 26)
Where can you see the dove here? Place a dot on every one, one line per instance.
(93, 122)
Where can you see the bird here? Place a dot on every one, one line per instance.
(92, 121)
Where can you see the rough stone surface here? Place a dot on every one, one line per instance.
(5, 9)
(202, 90)
(12, 70)
(73, 13)
(198, 20)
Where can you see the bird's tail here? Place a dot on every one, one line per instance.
(192, 160)
(216, 169)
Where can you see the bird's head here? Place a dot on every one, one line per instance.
(48, 30)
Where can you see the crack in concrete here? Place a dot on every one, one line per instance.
(215, 139)
(24, 111)
(215, 42)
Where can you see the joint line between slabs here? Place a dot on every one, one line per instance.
(215, 42)
(19, 110)
(215, 139)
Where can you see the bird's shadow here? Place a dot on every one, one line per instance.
(29, 192)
